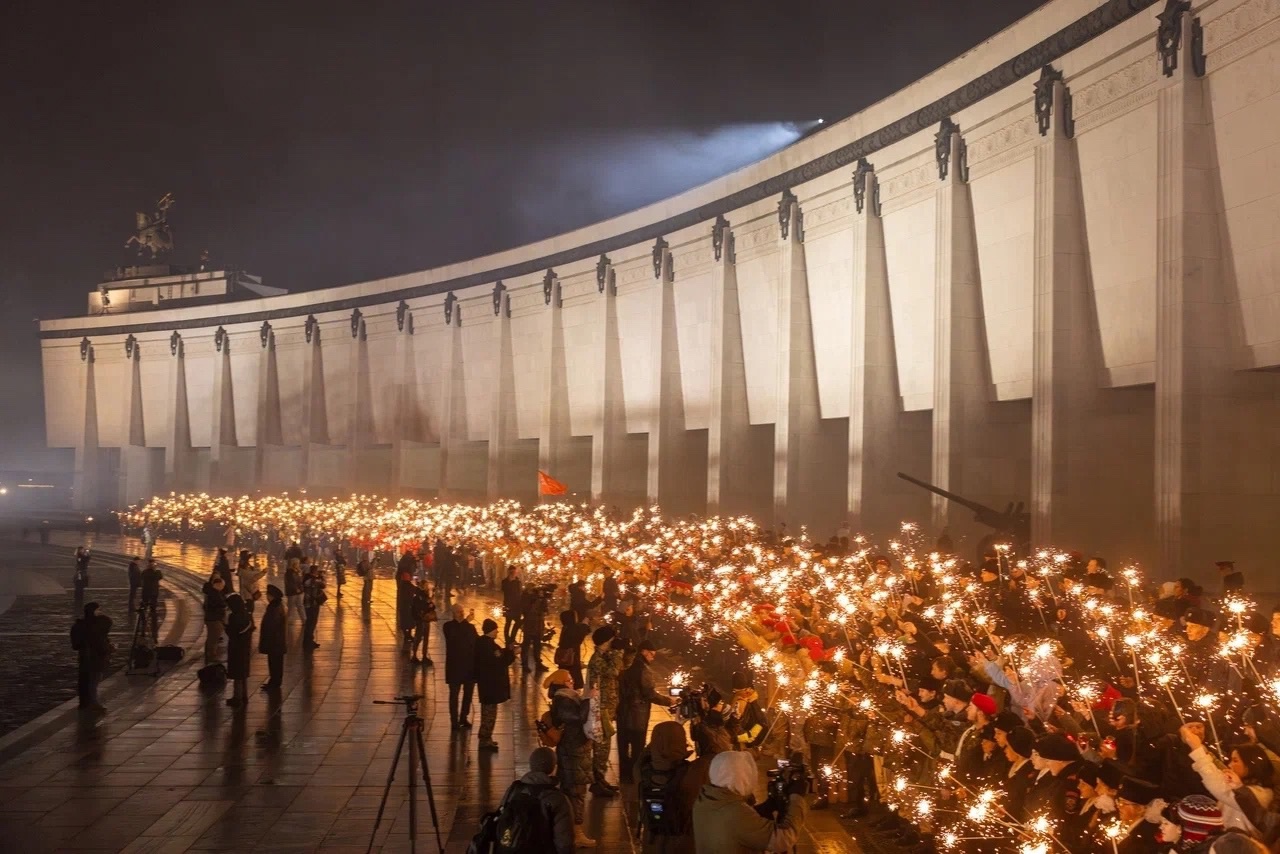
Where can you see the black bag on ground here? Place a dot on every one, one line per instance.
(170, 653)
(212, 676)
(483, 841)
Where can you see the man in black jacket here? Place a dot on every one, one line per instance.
(636, 693)
(90, 636)
(150, 588)
(445, 568)
(459, 666)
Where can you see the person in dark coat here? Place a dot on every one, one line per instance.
(222, 566)
(611, 594)
(580, 601)
(215, 616)
(135, 582)
(239, 648)
(404, 595)
(493, 680)
(446, 568)
(636, 693)
(150, 589)
(512, 604)
(80, 581)
(273, 640)
(90, 637)
(535, 610)
(459, 666)
(569, 650)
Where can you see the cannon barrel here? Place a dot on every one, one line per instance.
(980, 509)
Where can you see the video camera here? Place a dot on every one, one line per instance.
(694, 702)
(780, 779)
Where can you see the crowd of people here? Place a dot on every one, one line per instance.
(1031, 703)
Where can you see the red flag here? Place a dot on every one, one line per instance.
(548, 485)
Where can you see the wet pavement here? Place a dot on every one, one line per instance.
(171, 769)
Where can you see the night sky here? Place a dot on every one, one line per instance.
(316, 146)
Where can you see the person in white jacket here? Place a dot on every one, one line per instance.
(1244, 786)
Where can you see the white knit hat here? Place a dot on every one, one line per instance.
(735, 771)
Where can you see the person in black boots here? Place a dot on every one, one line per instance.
(239, 648)
(150, 598)
(313, 596)
(493, 681)
(512, 604)
(273, 640)
(459, 665)
(535, 611)
(424, 617)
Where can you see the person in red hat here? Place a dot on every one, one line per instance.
(981, 711)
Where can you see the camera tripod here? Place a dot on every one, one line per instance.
(417, 754)
(142, 651)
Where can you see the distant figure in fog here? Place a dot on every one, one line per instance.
(90, 637)
(80, 580)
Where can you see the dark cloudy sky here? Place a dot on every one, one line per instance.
(319, 143)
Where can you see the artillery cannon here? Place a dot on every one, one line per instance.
(1012, 526)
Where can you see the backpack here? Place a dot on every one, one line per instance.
(524, 825)
(549, 731)
(77, 635)
(659, 807)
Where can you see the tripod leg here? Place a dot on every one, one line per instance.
(391, 776)
(413, 788)
(426, 781)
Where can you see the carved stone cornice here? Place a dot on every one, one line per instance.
(1244, 28)
(1097, 21)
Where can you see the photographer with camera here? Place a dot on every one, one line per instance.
(668, 787)
(636, 693)
(725, 820)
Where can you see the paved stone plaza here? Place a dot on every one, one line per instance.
(170, 769)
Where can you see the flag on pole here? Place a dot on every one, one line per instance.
(548, 485)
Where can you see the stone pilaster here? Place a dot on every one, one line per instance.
(1064, 372)
(502, 414)
(268, 421)
(666, 431)
(452, 403)
(554, 436)
(315, 416)
(86, 486)
(222, 433)
(1208, 415)
(177, 458)
(403, 389)
(804, 490)
(874, 398)
(359, 407)
(732, 459)
(960, 392)
(610, 427)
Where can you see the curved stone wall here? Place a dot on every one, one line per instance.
(1043, 273)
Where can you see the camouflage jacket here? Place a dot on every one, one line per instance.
(602, 673)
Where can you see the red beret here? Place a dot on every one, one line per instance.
(985, 704)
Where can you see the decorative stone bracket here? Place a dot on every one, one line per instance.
(660, 248)
(86, 350)
(602, 273)
(1044, 89)
(548, 286)
(312, 328)
(1169, 38)
(357, 324)
(866, 188)
(402, 315)
(499, 289)
(175, 343)
(720, 235)
(942, 151)
(450, 305)
(220, 340)
(264, 334)
(131, 347)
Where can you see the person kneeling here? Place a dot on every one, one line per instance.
(725, 820)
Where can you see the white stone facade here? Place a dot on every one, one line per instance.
(1085, 319)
